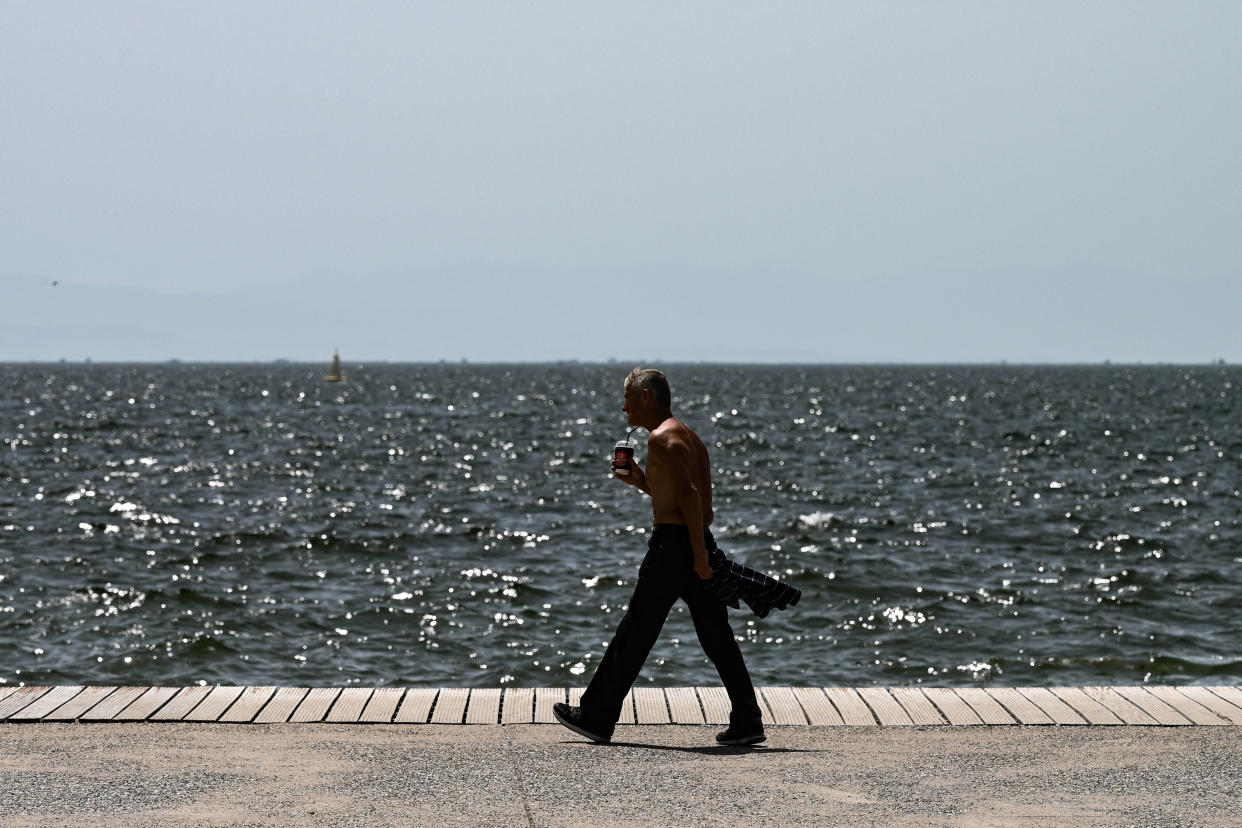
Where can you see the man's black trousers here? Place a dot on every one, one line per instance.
(667, 573)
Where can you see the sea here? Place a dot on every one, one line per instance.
(457, 524)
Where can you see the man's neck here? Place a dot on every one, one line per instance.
(658, 419)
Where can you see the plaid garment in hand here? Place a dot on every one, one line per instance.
(731, 581)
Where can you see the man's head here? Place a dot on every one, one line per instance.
(647, 396)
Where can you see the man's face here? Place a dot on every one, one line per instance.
(633, 403)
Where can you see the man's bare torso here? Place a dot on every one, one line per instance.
(687, 444)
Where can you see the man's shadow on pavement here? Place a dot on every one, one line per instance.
(709, 750)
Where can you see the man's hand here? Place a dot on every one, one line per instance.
(636, 478)
(703, 569)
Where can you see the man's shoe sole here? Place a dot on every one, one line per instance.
(742, 741)
(581, 731)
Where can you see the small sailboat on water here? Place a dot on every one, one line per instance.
(336, 375)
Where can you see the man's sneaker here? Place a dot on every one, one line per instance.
(572, 718)
(742, 735)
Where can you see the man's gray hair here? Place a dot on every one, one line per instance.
(649, 379)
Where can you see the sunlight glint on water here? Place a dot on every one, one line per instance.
(456, 524)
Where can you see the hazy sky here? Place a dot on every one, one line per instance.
(826, 181)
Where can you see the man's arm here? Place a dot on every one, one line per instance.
(675, 456)
(636, 478)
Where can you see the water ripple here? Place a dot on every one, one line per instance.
(455, 524)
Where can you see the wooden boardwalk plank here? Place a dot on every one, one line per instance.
(79, 704)
(715, 702)
(116, 701)
(627, 709)
(518, 706)
(179, 706)
(1233, 695)
(315, 705)
(47, 702)
(282, 705)
(450, 706)
(383, 705)
(21, 697)
(1118, 706)
(683, 706)
(849, 704)
(349, 705)
(248, 704)
(416, 706)
(650, 706)
(1152, 706)
(954, 709)
(1090, 709)
(815, 704)
(1019, 706)
(884, 706)
(575, 696)
(210, 709)
(1211, 701)
(1137, 705)
(985, 706)
(147, 704)
(1195, 712)
(483, 707)
(917, 706)
(1057, 710)
(784, 705)
(545, 697)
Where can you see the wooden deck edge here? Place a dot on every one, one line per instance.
(1125, 705)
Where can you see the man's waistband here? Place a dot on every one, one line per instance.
(678, 529)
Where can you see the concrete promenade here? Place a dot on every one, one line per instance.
(181, 770)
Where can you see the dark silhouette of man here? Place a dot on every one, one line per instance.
(678, 479)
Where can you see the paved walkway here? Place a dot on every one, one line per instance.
(172, 774)
(221, 755)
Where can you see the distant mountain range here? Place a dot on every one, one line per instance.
(658, 315)
(513, 315)
(378, 319)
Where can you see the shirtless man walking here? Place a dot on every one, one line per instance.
(678, 479)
